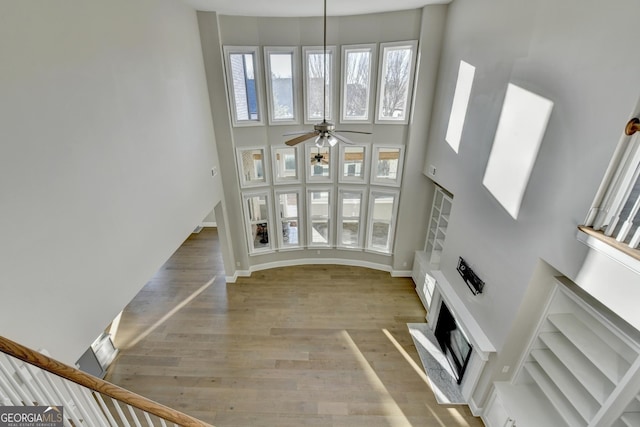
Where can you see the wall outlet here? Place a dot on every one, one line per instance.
(505, 369)
(404, 264)
(432, 170)
(214, 171)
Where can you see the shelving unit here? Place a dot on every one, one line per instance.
(581, 359)
(438, 223)
(429, 259)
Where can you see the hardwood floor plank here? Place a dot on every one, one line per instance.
(294, 346)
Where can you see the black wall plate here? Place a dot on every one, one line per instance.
(473, 282)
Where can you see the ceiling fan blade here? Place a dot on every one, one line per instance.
(343, 138)
(298, 132)
(353, 131)
(301, 138)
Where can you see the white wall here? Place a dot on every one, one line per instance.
(575, 53)
(106, 149)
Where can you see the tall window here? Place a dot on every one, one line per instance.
(357, 67)
(387, 165)
(257, 217)
(243, 81)
(289, 219)
(383, 206)
(350, 218)
(396, 81)
(319, 208)
(281, 71)
(318, 78)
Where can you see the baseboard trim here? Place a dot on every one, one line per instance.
(236, 274)
(208, 224)
(475, 409)
(401, 273)
(313, 261)
(323, 261)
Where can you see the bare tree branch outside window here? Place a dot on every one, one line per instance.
(357, 77)
(396, 73)
(315, 82)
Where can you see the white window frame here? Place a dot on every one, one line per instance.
(392, 223)
(228, 50)
(361, 228)
(310, 150)
(384, 47)
(330, 218)
(295, 58)
(366, 165)
(280, 217)
(278, 180)
(249, 223)
(331, 90)
(244, 183)
(370, 89)
(374, 166)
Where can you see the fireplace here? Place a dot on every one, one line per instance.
(469, 342)
(453, 342)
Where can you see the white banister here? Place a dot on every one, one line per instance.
(29, 378)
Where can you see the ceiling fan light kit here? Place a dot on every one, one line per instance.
(325, 132)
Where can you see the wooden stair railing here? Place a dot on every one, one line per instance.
(13, 376)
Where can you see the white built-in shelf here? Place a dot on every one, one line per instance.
(438, 223)
(554, 395)
(570, 387)
(582, 359)
(631, 419)
(610, 363)
(593, 380)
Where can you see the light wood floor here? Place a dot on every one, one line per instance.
(295, 346)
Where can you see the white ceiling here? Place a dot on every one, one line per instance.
(306, 7)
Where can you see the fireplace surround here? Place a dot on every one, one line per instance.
(481, 347)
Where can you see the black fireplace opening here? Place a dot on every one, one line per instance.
(454, 344)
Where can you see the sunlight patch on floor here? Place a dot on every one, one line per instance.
(167, 316)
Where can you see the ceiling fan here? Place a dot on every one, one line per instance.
(324, 132)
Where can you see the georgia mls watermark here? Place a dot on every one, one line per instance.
(31, 416)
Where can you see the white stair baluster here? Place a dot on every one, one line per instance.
(20, 391)
(70, 411)
(134, 416)
(107, 412)
(123, 418)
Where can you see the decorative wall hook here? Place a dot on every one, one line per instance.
(632, 127)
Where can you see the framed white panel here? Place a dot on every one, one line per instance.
(258, 221)
(289, 213)
(351, 209)
(358, 75)
(386, 167)
(354, 163)
(521, 127)
(252, 166)
(395, 81)
(313, 77)
(244, 85)
(282, 70)
(319, 163)
(320, 217)
(286, 165)
(383, 210)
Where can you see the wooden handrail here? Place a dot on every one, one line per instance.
(85, 380)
